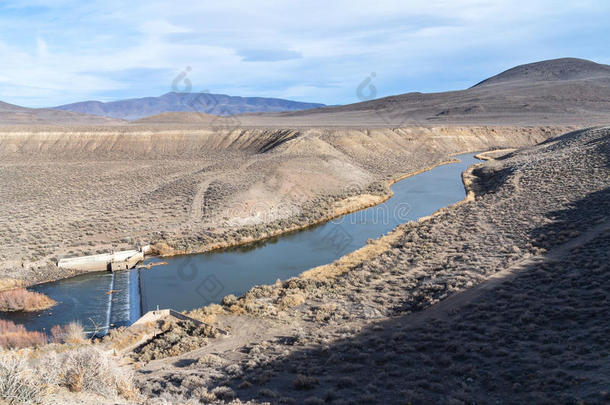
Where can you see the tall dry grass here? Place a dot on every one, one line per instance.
(70, 333)
(13, 336)
(87, 368)
(21, 299)
(17, 336)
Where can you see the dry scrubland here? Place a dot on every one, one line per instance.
(20, 299)
(76, 190)
(65, 374)
(500, 299)
(63, 368)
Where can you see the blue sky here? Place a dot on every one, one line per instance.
(309, 51)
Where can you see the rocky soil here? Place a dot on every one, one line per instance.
(500, 299)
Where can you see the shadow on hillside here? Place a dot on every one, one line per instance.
(541, 337)
(578, 217)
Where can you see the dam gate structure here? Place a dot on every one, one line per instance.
(123, 260)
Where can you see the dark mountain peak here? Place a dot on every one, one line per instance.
(551, 70)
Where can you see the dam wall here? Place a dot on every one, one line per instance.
(123, 260)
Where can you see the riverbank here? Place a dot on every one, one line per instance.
(339, 209)
(522, 267)
(350, 336)
(378, 246)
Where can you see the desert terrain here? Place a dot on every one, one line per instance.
(500, 298)
(73, 191)
(78, 184)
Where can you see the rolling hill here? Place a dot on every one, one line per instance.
(565, 91)
(11, 114)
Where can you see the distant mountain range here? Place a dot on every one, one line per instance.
(215, 104)
(566, 91)
(11, 114)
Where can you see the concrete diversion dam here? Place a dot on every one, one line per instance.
(193, 281)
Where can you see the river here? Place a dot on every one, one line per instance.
(192, 281)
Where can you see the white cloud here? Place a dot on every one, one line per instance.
(158, 28)
(42, 50)
(318, 50)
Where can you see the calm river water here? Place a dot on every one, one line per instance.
(192, 281)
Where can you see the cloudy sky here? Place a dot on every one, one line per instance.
(314, 51)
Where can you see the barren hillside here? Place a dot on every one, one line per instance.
(551, 70)
(500, 299)
(565, 91)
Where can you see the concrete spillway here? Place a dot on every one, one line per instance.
(124, 260)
